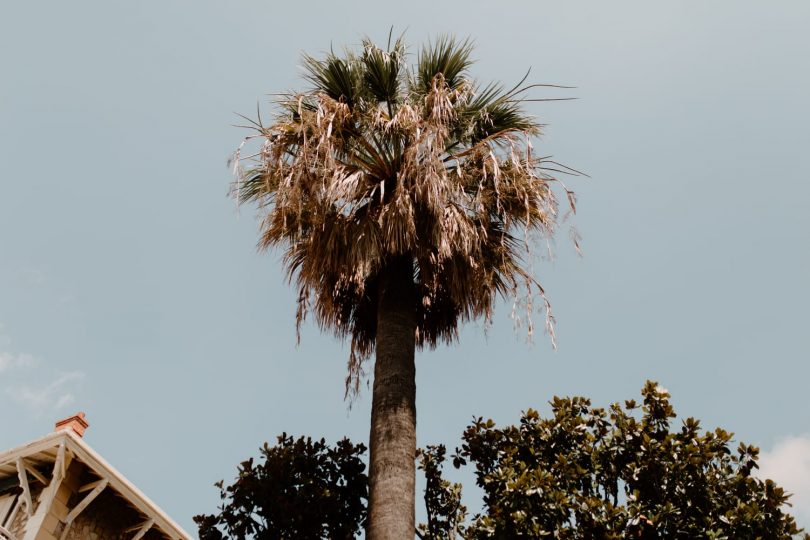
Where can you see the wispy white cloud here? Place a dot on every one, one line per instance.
(33, 275)
(788, 464)
(33, 385)
(51, 396)
(9, 362)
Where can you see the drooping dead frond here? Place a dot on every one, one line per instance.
(376, 162)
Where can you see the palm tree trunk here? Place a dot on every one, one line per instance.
(392, 471)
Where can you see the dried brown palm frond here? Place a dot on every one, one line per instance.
(378, 161)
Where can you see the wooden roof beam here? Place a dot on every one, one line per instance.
(35, 473)
(79, 508)
(142, 529)
(60, 465)
(5, 533)
(29, 504)
(93, 485)
(13, 514)
(47, 497)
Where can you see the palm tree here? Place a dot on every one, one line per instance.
(407, 200)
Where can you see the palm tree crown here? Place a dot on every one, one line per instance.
(379, 161)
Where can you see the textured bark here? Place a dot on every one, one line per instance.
(392, 471)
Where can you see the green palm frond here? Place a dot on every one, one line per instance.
(447, 57)
(338, 78)
(494, 110)
(383, 70)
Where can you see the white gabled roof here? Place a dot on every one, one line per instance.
(43, 453)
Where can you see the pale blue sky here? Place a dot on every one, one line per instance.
(131, 289)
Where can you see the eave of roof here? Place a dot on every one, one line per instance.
(117, 481)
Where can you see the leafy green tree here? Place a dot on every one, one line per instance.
(586, 472)
(406, 199)
(582, 473)
(302, 489)
(445, 512)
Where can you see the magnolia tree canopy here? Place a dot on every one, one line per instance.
(584, 472)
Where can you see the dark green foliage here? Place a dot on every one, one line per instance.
(302, 489)
(583, 473)
(445, 513)
(590, 473)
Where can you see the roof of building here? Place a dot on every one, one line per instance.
(43, 460)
